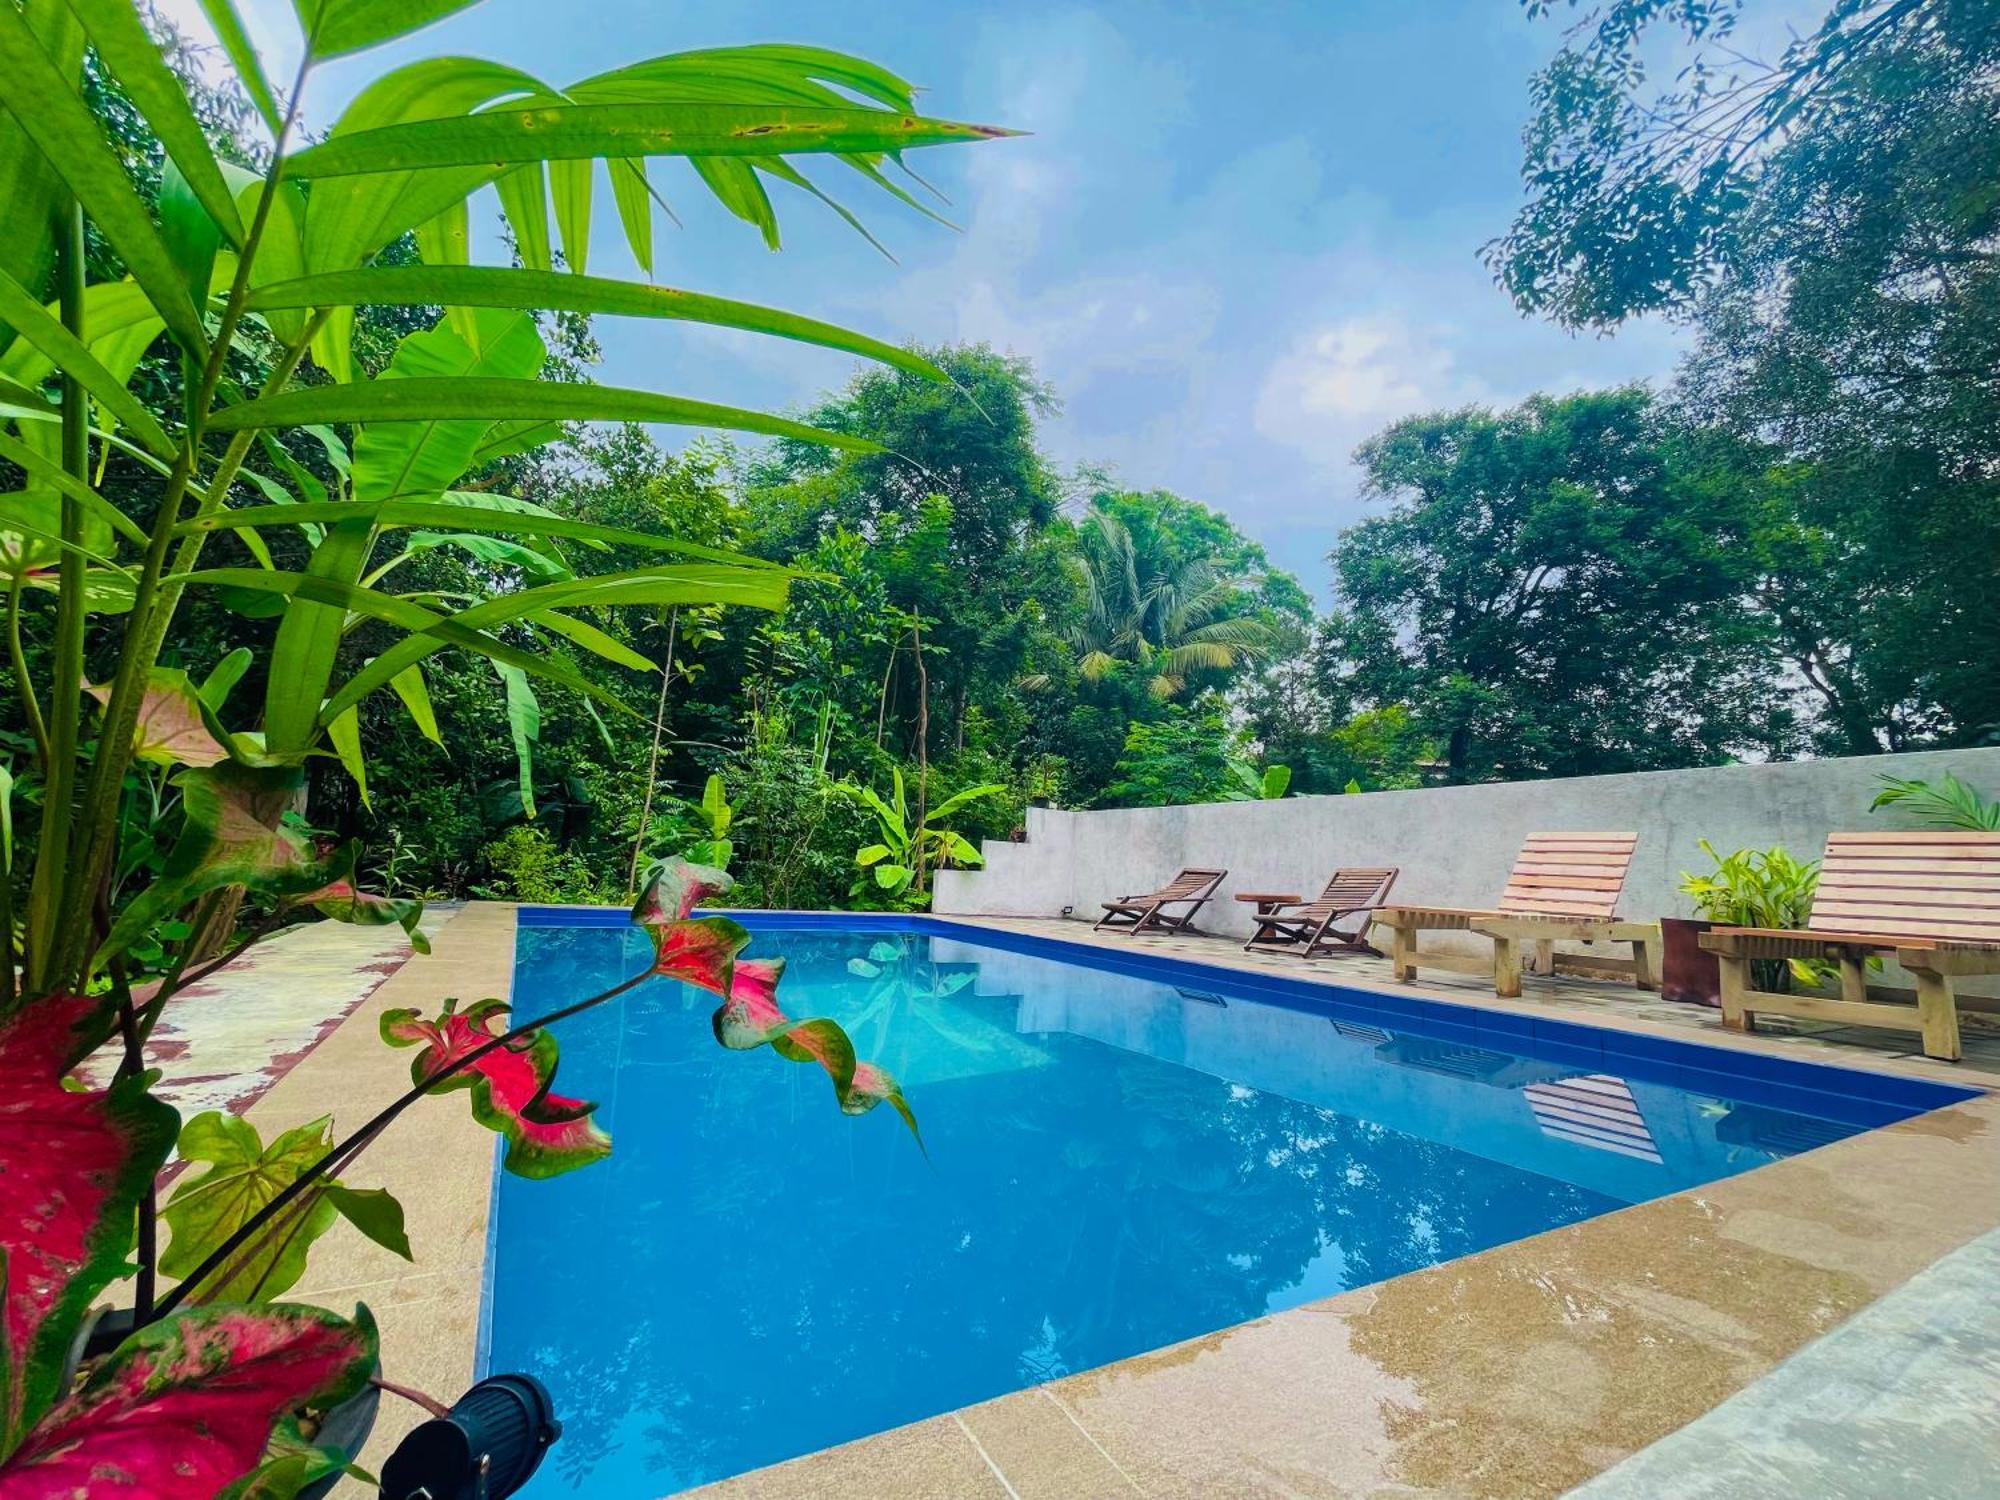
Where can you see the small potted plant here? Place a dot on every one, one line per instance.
(1749, 888)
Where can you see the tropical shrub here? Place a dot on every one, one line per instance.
(337, 476)
(898, 865)
(1181, 758)
(527, 864)
(697, 831)
(1759, 888)
(1949, 803)
(1252, 785)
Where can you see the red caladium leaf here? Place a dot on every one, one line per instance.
(703, 951)
(73, 1168)
(185, 1407)
(341, 899)
(752, 1017)
(546, 1133)
(233, 835)
(175, 727)
(676, 889)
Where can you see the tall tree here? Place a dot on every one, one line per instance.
(1164, 598)
(954, 510)
(1828, 221)
(1558, 589)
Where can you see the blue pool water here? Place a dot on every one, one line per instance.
(1116, 1163)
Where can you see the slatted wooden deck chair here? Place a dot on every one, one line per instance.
(1311, 928)
(1932, 899)
(1154, 911)
(1564, 887)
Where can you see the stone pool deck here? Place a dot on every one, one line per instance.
(1528, 1370)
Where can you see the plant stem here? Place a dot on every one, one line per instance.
(346, 1150)
(161, 592)
(409, 1393)
(56, 879)
(653, 765)
(31, 706)
(151, 613)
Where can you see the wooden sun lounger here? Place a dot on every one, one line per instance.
(1564, 887)
(1310, 927)
(1149, 913)
(1932, 899)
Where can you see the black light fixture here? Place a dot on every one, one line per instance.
(485, 1448)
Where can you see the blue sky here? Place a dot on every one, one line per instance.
(1239, 240)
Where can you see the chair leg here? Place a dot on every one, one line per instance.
(1937, 1012)
(1645, 964)
(1507, 968)
(1403, 952)
(1736, 1014)
(1545, 957)
(1853, 978)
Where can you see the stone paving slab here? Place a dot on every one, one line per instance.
(223, 1042)
(1901, 1400)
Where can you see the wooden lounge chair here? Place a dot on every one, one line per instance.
(1932, 899)
(1310, 927)
(1192, 889)
(1564, 887)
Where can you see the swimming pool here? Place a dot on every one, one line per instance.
(1125, 1150)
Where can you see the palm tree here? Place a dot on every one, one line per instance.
(1168, 619)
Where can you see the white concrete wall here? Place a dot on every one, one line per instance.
(1453, 844)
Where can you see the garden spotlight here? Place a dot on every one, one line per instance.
(485, 1448)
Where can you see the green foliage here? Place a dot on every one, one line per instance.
(1948, 803)
(1183, 757)
(698, 831)
(241, 1177)
(1758, 888)
(528, 865)
(1543, 586)
(1826, 220)
(1158, 604)
(1252, 786)
(898, 865)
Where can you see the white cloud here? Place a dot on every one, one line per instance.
(1344, 380)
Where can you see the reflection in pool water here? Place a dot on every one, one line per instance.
(1114, 1165)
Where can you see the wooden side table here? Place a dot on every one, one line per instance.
(1270, 903)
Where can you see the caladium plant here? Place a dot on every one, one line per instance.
(182, 1408)
(111, 493)
(703, 952)
(545, 1132)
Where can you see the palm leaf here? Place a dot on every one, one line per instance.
(750, 587)
(249, 70)
(52, 115)
(409, 616)
(128, 50)
(60, 479)
(462, 509)
(67, 353)
(474, 397)
(571, 132)
(499, 287)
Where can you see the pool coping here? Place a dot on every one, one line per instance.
(1353, 1394)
